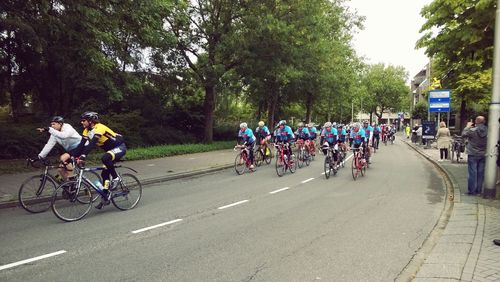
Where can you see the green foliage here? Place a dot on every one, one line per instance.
(468, 26)
(420, 110)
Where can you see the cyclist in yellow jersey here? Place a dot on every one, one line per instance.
(96, 133)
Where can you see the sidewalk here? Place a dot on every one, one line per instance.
(464, 251)
(149, 171)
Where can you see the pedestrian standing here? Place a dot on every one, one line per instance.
(408, 130)
(476, 150)
(418, 131)
(443, 139)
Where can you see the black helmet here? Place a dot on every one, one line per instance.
(58, 119)
(89, 116)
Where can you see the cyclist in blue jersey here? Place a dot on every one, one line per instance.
(313, 133)
(285, 135)
(359, 138)
(262, 133)
(302, 133)
(342, 136)
(328, 137)
(368, 137)
(246, 136)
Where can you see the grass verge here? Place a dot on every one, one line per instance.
(153, 152)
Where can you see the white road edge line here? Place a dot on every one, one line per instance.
(232, 205)
(156, 226)
(307, 180)
(279, 190)
(31, 260)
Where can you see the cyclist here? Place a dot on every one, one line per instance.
(263, 134)
(98, 134)
(302, 134)
(328, 138)
(65, 135)
(359, 138)
(246, 135)
(368, 137)
(376, 135)
(342, 137)
(313, 133)
(391, 133)
(285, 135)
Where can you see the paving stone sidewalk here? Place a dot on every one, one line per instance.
(465, 250)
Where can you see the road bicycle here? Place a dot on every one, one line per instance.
(72, 200)
(457, 148)
(242, 161)
(35, 193)
(283, 161)
(330, 165)
(303, 155)
(312, 149)
(359, 163)
(391, 138)
(263, 154)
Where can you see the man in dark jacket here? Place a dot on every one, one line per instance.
(476, 154)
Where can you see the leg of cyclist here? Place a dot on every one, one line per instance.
(65, 169)
(250, 147)
(108, 159)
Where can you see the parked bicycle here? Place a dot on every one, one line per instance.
(359, 163)
(457, 148)
(283, 161)
(263, 154)
(35, 193)
(303, 155)
(72, 200)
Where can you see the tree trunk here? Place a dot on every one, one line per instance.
(208, 111)
(463, 116)
(309, 105)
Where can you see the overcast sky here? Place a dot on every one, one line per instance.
(391, 30)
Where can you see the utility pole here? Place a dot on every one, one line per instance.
(493, 119)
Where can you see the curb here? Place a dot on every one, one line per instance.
(418, 259)
(153, 180)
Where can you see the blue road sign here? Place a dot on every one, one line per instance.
(439, 101)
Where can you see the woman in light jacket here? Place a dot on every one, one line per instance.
(443, 140)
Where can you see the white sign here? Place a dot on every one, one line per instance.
(439, 94)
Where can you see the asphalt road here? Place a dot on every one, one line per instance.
(254, 227)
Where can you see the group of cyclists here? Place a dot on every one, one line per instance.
(79, 146)
(355, 135)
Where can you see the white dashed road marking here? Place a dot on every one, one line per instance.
(232, 205)
(31, 260)
(156, 226)
(279, 190)
(307, 180)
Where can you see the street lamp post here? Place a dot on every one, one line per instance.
(493, 119)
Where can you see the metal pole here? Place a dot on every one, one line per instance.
(494, 114)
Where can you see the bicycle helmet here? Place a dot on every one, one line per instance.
(328, 124)
(89, 116)
(334, 124)
(243, 125)
(261, 123)
(356, 125)
(300, 124)
(310, 125)
(58, 119)
(282, 122)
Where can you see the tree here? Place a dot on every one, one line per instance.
(386, 88)
(467, 26)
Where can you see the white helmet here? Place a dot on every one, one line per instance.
(243, 125)
(334, 124)
(261, 123)
(301, 124)
(310, 124)
(328, 124)
(356, 125)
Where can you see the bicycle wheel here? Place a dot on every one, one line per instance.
(307, 157)
(327, 167)
(300, 158)
(70, 203)
(268, 156)
(35, 194)
(292, 164)
(280, 166)
(363, 167)
(127, 192)
(354, 168)
(259, 157)
(239, 164)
